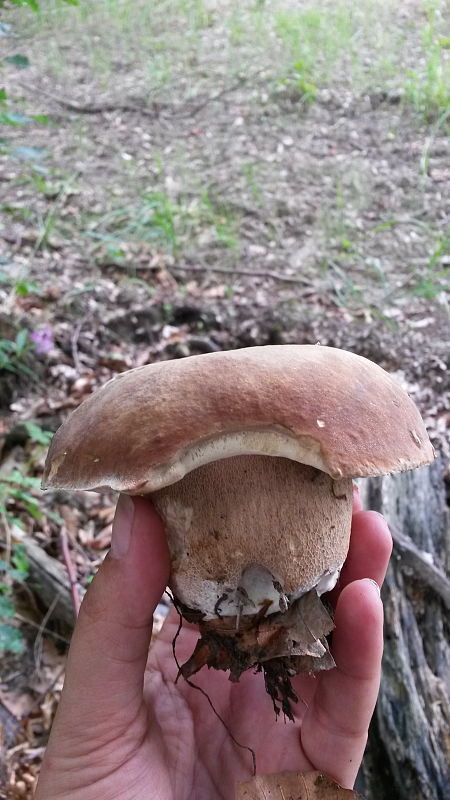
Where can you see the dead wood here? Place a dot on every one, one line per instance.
(187, 110)
(71, 571)
(49, 582)
(422, 565)
(92, 108)
(293, 786)
(9, 729)
(408, 753)
(254, 273)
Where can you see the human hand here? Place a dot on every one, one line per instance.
(124, 729)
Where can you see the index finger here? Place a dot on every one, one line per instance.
(369, 552)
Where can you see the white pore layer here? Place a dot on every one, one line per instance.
(276, 441)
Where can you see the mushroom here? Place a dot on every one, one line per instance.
(249, 457)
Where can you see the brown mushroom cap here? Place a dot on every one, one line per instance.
(329, 408)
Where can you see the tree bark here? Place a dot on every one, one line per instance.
(408, 754)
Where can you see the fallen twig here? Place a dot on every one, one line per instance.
(186, 110)
(8, 537)
(74, 344)
(90, 108)
(203, 343)
(37, 647)
(254, 273)
(47, 631)
(70, 570)
(191, 112)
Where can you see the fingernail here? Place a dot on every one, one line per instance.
(380, 515)
(121, 529)
(374, 583)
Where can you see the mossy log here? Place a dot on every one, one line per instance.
(408, 753)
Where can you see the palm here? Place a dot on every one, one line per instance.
(203, 761)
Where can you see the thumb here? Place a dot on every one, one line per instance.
(109, 648)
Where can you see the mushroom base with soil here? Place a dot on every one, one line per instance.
(254, 541)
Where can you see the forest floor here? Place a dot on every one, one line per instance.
(183, 177)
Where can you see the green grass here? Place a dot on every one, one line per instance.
(14, 354)
(427, 85)
(152, 38)
(178, 52)
(45, 193)
(434, 279)
(180, 48)
(169, 39)
(316, 40)
(164, 224)
(19, 499)
(12, 570)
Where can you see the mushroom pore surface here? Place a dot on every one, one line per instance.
(238, 525)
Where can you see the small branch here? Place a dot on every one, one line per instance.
(37, 647)
(254, 273)
(89, 108)
(424, 570)
(191, 112)
(74, 344)
(70, 571)
(203, 343)
(212, 99)
(47, 631)
(186, 111)
(8, 537)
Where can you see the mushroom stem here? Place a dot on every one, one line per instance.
(254, 540)
(237, 526)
